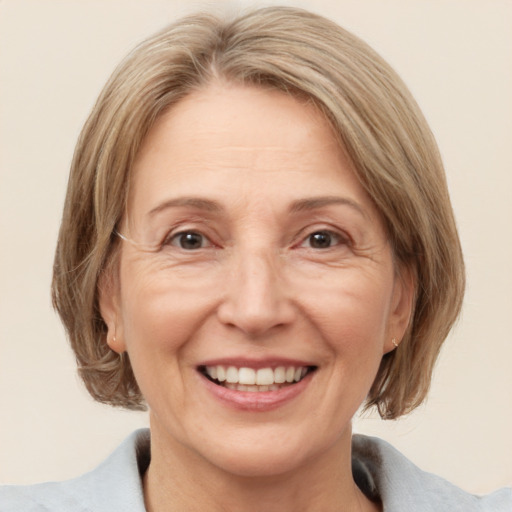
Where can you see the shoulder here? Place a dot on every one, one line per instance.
(402, 486)
(115, 485)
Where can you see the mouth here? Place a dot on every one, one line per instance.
(256, 380)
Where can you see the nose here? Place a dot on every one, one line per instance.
(256, 298)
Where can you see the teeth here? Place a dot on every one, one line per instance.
(247, 376)
(221, 373)
(280, 375)
(232, 375)
(212, 372)
(249, 379)
(265, 377)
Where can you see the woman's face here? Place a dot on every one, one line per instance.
(255, 257)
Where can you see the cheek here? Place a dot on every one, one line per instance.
(159, 323)
(162, 321)
(160, 314)
(353, 320)
(352, 309)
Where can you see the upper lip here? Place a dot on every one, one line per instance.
(256, 363)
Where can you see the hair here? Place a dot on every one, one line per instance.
(370, 109)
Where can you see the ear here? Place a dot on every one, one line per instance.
(402, 306)
(109, 303)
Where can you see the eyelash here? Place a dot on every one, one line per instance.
(338, 238)
(177, 236)
(330, 235)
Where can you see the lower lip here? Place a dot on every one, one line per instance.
(257, 401)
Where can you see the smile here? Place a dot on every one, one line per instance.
(255, 380)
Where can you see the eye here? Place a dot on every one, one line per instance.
(189, 240)
(322, 240)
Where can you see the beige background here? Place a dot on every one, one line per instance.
(456, 55)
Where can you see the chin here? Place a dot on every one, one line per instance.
(260, 462)
(267, 450)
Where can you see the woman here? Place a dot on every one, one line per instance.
(257, 239)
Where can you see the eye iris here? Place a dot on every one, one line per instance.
(320, 240)
(191, 241)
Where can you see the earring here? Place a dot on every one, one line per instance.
(394, 342)
(113, 339)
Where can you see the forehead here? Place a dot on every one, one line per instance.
(251, 138)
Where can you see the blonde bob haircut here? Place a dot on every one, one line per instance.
(377, 122)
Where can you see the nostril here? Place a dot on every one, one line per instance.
(255, 319)
(253, 299)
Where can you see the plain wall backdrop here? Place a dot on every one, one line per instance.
(55, 55)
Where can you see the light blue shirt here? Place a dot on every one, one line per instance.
(379, 469)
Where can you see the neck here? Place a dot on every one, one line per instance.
(178, 479)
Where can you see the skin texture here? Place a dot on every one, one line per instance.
(245, 167)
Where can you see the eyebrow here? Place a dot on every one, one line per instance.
(314, 203)
(194, 202)
(299, 205)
